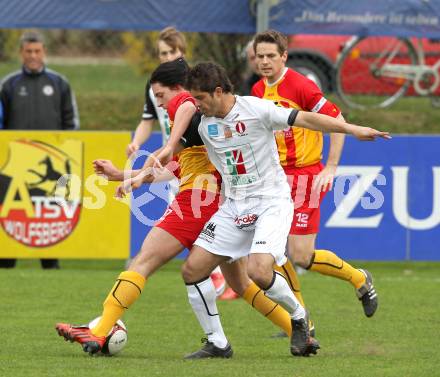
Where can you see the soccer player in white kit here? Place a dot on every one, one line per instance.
(256, 215)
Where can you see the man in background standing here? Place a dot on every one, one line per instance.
(253, 73)
(171, 45)
(36, 98)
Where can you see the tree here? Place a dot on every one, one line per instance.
(225, 49)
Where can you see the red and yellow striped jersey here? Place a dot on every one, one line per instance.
(297, 147)
(195, 170)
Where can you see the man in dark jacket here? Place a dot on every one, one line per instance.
(36, 98)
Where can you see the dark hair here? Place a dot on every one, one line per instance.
(171, 73)
(31, 37)
(207, 76)
(272, 36)
(173, 38)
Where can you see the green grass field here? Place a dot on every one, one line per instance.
(400, 340)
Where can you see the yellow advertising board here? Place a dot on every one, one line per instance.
(52, 205)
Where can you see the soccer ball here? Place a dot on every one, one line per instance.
(116, 338)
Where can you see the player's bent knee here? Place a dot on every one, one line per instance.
(189, 273)
(262, 281)
(260, 274)
(302, 256)
(238, 286)
(302, 260)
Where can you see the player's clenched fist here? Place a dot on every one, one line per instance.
(128, 186)
(108, 170)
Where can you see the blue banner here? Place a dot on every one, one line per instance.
(419, 18)
(226, 16)
(148, 202)
(405, 18)
(385, 203)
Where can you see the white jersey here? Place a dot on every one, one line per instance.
(242, 147)
(152, 111)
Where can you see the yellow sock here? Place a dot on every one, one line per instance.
(328, 263)
(124, 293)
(255, 297)
(291, 276)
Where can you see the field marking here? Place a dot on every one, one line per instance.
(408, 278)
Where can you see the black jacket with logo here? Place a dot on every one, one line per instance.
(38, 101)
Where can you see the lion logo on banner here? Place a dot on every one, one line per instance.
(40, 191)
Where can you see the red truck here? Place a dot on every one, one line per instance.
(315, 56)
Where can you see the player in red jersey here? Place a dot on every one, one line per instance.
(300, 154)
(178, 228)
(171, 45)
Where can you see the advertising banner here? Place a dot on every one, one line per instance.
(385, 203)
(404, 18)
(226, 16)
(409, 18)
(52, 205)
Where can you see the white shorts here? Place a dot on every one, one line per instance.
(243, 227)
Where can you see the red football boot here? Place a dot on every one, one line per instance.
(82, 335)
(219, 282)
(229, 295)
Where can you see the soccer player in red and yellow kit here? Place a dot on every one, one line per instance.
(178, 228)
(171, 45)
(300, 153)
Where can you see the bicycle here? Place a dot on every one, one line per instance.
(374, 72)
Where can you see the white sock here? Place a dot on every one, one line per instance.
(280, 292)
(202, 298)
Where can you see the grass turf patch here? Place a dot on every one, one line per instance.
(111, 97)
(400, 340)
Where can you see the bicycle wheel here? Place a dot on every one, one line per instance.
(360, 81)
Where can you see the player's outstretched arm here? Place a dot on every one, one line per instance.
(141, 135)
(324, 123)
(105, 168)
(182, 120)
(152, 159)
(151, 172)
(366, 133)
(148, 175)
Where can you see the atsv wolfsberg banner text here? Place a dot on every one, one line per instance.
(52, 205)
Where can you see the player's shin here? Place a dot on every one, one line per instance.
(255, 297)
(202, 297)
(124, 293)
(279, 291)
(328, 263)
(288, 271)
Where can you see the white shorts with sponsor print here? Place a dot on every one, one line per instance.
(253, 225)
